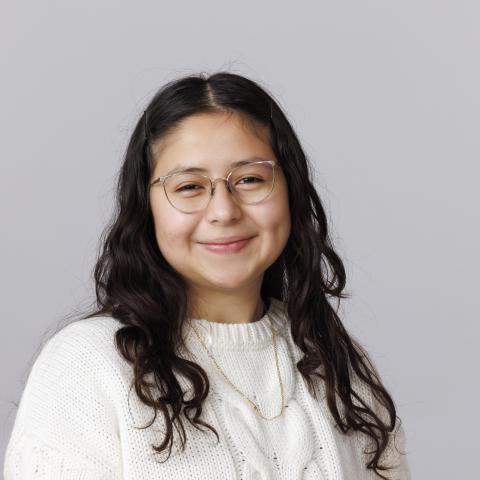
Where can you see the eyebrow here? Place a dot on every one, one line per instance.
(191, 168)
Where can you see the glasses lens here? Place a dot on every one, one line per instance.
(253, 182)
(190, 192)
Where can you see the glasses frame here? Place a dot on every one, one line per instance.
(162, 179)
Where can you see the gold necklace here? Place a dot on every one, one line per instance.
(254, 405)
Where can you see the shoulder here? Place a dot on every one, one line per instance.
(95, 328)
(92, 335)
(81, 351)
(68, 411)
(78, 368)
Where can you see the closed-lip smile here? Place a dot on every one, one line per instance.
(225, 240)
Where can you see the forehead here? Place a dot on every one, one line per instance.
(210, 140)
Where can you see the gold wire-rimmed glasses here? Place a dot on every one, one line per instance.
(190, 192)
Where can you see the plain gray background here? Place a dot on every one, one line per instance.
(384, 96)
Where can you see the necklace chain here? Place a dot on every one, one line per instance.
(254, 405)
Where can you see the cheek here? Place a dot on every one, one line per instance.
(171, 230)
(273, 217)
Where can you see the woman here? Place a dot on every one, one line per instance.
(213, 351)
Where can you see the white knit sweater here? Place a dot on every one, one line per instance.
(76, 420)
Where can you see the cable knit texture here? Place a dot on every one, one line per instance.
(78, 418)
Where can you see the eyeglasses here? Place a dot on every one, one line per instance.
(189, 192)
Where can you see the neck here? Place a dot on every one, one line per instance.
(228, 310)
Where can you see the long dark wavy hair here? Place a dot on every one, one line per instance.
(135, 284)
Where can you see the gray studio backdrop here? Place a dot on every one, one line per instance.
(384, 96)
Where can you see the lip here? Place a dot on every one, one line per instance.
(231, 247)
(225, 240)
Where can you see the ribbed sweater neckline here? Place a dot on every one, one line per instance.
(241, 335)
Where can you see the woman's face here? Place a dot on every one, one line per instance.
(214, 141)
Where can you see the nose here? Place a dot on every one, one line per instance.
(222, 205)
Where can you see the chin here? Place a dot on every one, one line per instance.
(227, 280)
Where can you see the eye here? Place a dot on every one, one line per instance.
(185, 187)
(254, 178)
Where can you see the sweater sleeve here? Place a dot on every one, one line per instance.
(66, 425)
(395, 454)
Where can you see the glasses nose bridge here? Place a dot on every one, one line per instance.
(221, 179)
